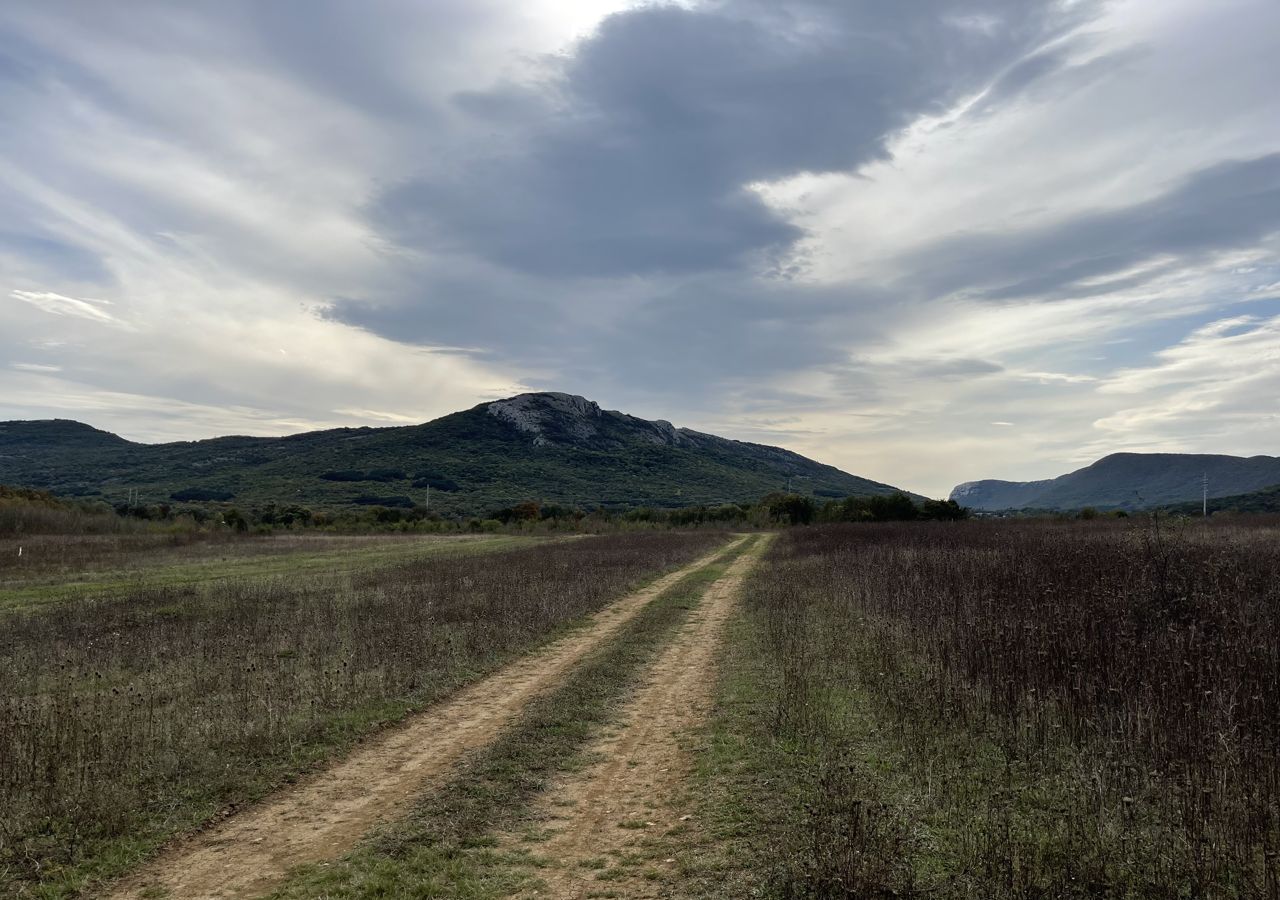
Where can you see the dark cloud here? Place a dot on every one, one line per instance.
(1224, 207)
(502, 318)
(347, 50)
(687, 336)
(710, 330)
(656, 125)
(956, 369)
(622, 182)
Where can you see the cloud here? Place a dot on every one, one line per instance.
(1220, 208)
(43, 394)
(847, 227)
(58, 305)
(1061, 67)
(649, 134)
(1218, 384)
(38, 253)
(1056, 376)
(373, 415)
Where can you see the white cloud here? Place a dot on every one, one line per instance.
(1220, 383)
(382, 418)
(58, 305)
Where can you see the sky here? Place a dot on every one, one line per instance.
(926, 242)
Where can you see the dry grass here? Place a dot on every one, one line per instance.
(1011, 710)
(125, 720)
(25, 512)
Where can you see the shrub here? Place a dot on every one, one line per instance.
(344, 475)
(196, 494)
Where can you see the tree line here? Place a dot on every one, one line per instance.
(32, 511)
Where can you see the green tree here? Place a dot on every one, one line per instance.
(235, 520)
(897, 507)
(943, 510)
(793, 509)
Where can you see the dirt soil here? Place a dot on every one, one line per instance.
(598, 827)
(323, 816)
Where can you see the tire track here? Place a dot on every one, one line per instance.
(324, 815)
(607, 813)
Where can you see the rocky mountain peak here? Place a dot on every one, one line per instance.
(550, 415)
(554, 419)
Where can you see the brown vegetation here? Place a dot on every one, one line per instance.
(24, 511)
(1021, 709)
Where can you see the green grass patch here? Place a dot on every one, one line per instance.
(241, 562)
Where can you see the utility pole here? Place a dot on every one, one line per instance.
(427, 504)
(1204, 485)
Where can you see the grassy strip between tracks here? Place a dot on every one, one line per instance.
(446, 847)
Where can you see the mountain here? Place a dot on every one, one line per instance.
(1127, 481)
(551, 447)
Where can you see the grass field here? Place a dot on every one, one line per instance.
(143, 712)
(56, 567)
(990, 709)
(447, 846)
(1001, 710)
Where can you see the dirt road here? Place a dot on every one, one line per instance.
(323, 816)
(600, 820)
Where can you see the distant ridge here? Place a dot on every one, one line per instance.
(1266, 500)
(551, 447)
(1127, 481)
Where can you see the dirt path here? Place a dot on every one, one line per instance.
(324, 816)
(600, 823)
